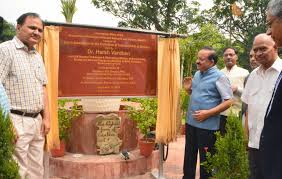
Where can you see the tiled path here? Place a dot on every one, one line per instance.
(174, 163)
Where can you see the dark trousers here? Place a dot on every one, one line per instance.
(255, 164)
(222, 124)
(197, 139)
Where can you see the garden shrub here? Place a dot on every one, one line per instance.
(230, 160)
(8, 167)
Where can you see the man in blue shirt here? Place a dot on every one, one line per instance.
(211, 94)
(4, 102)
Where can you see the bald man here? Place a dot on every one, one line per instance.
(257, 94)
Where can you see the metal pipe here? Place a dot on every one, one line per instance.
(161, 164)
(165, 34)
(159, 174)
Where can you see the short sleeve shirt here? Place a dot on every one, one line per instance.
(223, 87)
(257, 95)
(236, 77)
(23, 76)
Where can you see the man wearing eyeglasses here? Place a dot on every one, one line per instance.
(210, 94)
(257, 94)
(236, 76)
(270, 141)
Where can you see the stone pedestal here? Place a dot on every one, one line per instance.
(102, 167)
(83, 137)
(83, 162)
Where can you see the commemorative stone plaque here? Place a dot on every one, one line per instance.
(108, 141)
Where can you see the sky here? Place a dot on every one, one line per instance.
(50, 10)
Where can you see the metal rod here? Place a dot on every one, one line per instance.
(161, 164)
(159, 174)
(165, 34)
(102, 97)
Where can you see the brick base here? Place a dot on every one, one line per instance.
(102, 167)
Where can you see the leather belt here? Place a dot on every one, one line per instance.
(33, 115)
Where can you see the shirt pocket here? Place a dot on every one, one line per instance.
(254, 97)
(39, 73)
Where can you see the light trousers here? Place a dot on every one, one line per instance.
(29, 146)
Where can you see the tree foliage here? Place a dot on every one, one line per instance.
(68, 9)
(243, 27)
(161, 15)
(182, 16)
(7, 30)
(208, 35)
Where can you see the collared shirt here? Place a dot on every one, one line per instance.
(223, 86)
(209, 89)
(257, 94)
(4, 102)
(23, 76)
(236, 76)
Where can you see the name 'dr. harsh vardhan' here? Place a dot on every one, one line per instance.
(108, 52)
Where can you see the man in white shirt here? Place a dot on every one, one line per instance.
(236, 76)
(257, 95)
(253, 64)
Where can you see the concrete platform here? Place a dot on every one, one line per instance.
(173, 167)
(77, 166)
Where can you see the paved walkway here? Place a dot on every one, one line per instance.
(174, 163)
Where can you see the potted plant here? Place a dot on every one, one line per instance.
(65, 117)
(145, 118)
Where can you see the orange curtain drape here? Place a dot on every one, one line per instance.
(49, 49)
(168, 89)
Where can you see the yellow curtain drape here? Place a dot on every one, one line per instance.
(168, 89)
(49, 49)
